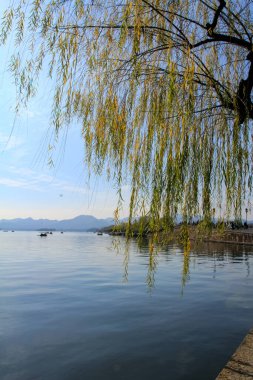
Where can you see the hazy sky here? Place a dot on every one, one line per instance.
(28, 186)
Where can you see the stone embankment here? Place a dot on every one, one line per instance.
(240, 366)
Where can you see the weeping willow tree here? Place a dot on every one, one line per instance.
(161, 89)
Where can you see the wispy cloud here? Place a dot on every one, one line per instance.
(9, 142)
(30, 179)
(18, 183)
(29, 113)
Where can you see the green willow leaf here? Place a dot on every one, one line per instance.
(161, 89)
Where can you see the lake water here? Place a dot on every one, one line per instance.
(79, 306)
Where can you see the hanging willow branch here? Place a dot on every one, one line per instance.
(162, 90)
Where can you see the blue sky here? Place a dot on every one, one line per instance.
(28, 186)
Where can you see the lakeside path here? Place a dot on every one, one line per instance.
(240, 237)
(240, 366)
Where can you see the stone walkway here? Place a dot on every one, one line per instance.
(240, 366)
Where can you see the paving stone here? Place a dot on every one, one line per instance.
(240, 366)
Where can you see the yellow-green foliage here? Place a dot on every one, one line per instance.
(154, 89)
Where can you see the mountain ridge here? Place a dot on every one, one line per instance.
(78, 223)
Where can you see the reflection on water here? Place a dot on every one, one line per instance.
(82, 306)
(186, 268)
(152, 264)
(217, 254)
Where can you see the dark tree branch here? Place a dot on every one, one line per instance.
(242, 105)
(240, 102)
(243, 101)
(211, 27)
(229, 39)
(223, 37)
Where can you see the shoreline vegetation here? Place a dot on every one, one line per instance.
(230, 233)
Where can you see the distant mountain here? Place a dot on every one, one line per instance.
(79, 223)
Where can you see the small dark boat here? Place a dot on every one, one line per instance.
(43, 235)
(99, 233)
(61, 232)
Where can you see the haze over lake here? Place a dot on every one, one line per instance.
(81, 306)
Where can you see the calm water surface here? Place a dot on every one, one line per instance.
(72, 306)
